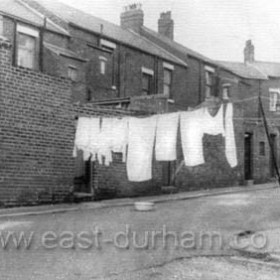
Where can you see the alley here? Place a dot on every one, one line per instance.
(93, 244)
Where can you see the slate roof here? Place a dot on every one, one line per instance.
(248, 71)
(179, 47)
(21, 11)
(110, 30)
(271, 69)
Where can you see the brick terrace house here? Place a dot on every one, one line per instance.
(263, 80)
(58, 63)
(55, 68)
(241, 83)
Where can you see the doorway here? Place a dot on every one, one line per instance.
(83, 179)
(168, 173)
(273, 152)
(248, 156)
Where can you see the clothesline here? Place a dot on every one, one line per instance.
(135, 139)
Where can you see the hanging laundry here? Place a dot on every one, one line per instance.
(120, 136)
(106, 141)
(141, 138)
(230, 137)
(214, 125)
(192, 129)
(86, 128)
(166, 137)
(94, 132)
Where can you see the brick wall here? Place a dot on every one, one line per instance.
(36, 133)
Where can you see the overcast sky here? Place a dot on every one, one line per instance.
(215, 28)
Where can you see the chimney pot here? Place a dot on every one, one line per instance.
(249, 52)
(166, 25)
(132, 17)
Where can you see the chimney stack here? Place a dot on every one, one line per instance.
(166, 25)
(249, 52)
(132, 17)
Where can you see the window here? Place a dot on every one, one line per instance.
(1, 26)
(103, 64)
(26, 46)
(26, 51)
(167, 81)
(147, 79)
(107, 45)
(209, 81)
(262, 148)
(146, 84)
(72, 73)
(226, 91)
(274, 101)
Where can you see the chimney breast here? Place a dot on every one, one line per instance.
(166, 25)
(132, 17)
(249, 52)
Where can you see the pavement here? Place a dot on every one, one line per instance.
(168, 243)
(121, 202)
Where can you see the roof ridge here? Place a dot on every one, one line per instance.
(199, 55)
(159, 47)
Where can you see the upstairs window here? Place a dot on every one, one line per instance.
(274, 100)
(1, 25)
(147, 80)
(209, 81)
(146, 84)
(107, 45)
(226, 91)
(73, 73)
(167, 79)
(103, 64)
(27, 39)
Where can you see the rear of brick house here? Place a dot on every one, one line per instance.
(54, 71)
(261, 87)
(90, 67)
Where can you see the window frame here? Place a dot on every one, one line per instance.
(147, 73)
(274, 100)
(31, 33)
(226, 91)
(167, 84)
(167, 67)
(71, 68)
(209, 81)
(147, 91)
(102, 62)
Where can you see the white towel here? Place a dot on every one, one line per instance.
(141, 139)
(192, 130)
(230, 137)
(86, 128)
(106, 141)
(94, 133)
(120, 136)
(166, 137)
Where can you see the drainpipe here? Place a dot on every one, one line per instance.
(199, 82)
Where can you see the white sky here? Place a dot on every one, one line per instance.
(215, 28)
